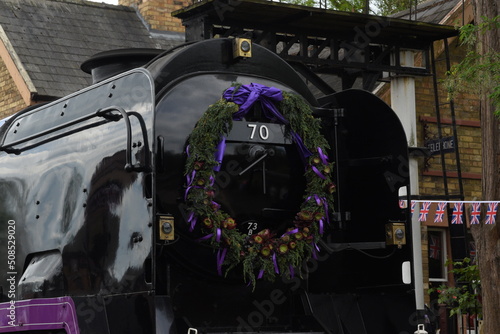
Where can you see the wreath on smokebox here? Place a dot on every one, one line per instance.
(263, 255)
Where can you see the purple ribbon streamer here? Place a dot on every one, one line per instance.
(220, 260)
(190, 178)
(303, 150)
(276, 268)
(218, 234)
(316, 250)
(192, 219)
(323, 157)
(318, 172)
(188, 189)
(325, 204)
(261, 274)
(208, 236)
(217, 205)
(187, 192)
(318, 199)
(219, 153)
(314, 255)
(295, 230)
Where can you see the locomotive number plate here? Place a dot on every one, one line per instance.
(271, 133)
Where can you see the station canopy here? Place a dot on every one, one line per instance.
(358, 48)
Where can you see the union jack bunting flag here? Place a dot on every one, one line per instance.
(441, 208)
(434, 247)
(412, 207)
(458, 212)
(424, 210)
(459, 215)
(491, 214)
(402, 204)
(475, 213)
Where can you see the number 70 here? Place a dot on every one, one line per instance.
(263, 131)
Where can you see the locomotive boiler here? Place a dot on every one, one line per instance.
(207, 191)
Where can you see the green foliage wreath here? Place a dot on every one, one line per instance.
(265, 254)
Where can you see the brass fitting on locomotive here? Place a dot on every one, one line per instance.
(395, 234)
(242, 47)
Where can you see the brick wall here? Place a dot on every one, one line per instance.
(157, 12)
(468, 133)
(468, 140)
(10, 99)
(431, 180)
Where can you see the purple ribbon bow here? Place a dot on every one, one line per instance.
(247, 95)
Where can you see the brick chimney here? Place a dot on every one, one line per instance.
(157, 12)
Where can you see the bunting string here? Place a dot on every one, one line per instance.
(459, 212)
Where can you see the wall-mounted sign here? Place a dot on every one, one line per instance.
(446, 145)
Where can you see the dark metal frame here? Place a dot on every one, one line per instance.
(376, 41)
(458, 233)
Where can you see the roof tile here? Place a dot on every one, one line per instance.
(432, 11)
(53, 37)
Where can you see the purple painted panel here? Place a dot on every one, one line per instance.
(39, 314)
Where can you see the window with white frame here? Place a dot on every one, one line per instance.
(437, 255)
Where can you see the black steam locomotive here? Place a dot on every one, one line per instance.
(147, 203)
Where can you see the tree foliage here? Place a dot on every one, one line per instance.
(464, 297)
(343, 5)
(388, 7)
(347, 5)
(478, 72)
(378, 7)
